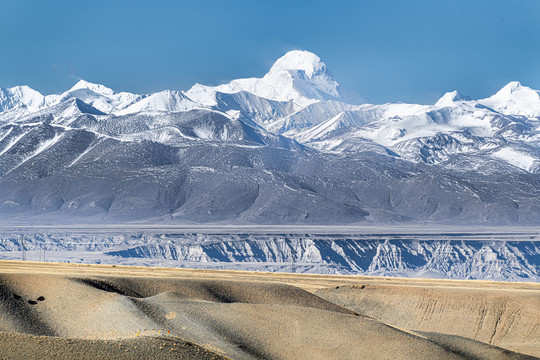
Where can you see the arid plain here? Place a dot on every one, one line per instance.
(65, 311)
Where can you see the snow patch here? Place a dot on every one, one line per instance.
(516, 158)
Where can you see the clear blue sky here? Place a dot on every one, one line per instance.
(398, 50)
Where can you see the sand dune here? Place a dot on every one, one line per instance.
(208, 314)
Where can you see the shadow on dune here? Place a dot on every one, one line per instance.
(238, 319)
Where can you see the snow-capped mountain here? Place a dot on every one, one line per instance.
(98, 96)
(20, 97)
(167, 101)
(290, 147)
(451, 98)
(298, 76)
(454, 125)
(515, 99)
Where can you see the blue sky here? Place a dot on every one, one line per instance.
(409, 51)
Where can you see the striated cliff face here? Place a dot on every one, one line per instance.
(488, 315)
(497, 256)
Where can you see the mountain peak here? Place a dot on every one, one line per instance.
(299, 76)
(164, 101)
(100, 89)
(516, 99)
(451, 98)
(18, 96)
(301, 60)
(512, 87)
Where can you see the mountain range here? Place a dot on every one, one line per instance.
(292, 147)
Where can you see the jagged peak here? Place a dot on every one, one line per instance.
(17, 96)
(450, 98)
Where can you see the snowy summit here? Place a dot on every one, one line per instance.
(298, 76)
(292, 146)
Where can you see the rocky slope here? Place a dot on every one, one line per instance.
(291, 147)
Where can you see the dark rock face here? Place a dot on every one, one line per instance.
(235, 173)
(92, 155)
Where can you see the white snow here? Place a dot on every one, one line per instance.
(11, 143)
(300, 99)
(204, 133)
(516, 158)
(20, 97)
(300, 60)
(451, 98)
(97, 88)
(515, 99)
(99, 96)
(166, 100)
(82, 154)
(298, 76)
(290, 188)
(44, 145)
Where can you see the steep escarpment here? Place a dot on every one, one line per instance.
(508, 256)
(491, 316)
